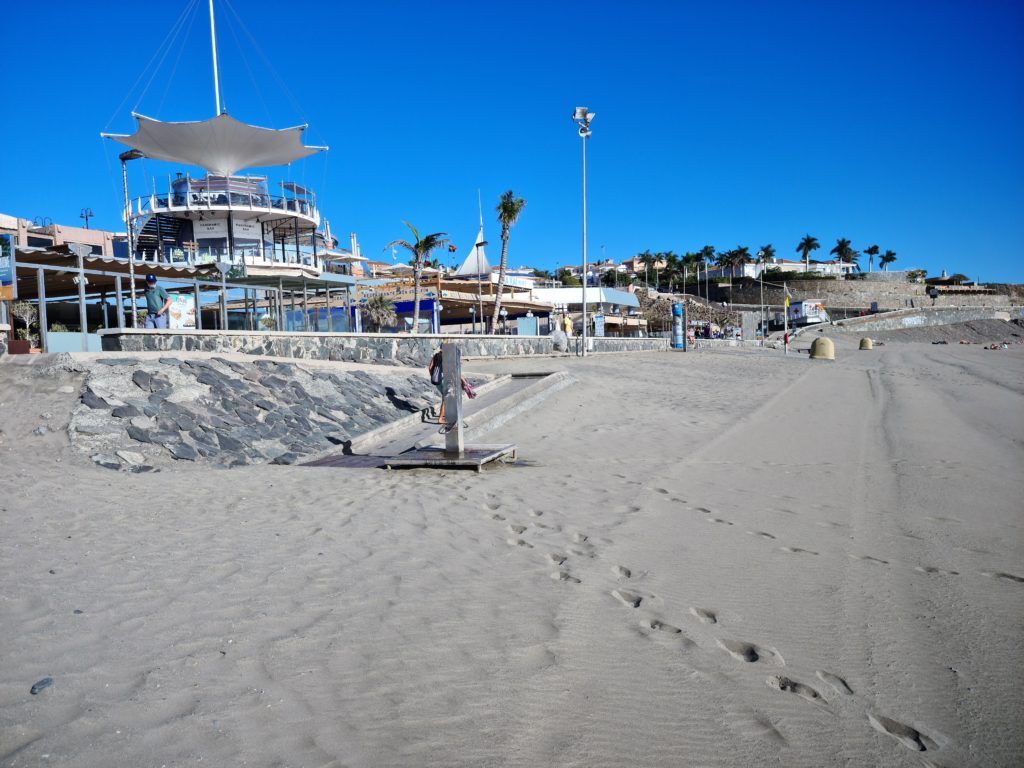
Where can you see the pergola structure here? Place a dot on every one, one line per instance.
(69, 273)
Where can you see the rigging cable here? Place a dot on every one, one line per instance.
(177, 60)
(156, 69)
(145, 69)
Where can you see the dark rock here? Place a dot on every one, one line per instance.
(185, 423)
(285, 458)
(118, 361)
(251, 375)
(183, 451)
(143, 468)
(46, 682)
(248, 415)
(158, 383)
(167, 438)
(93, 400)
(210, 378)
(126, 412)
(169, 361)
(140, 435)
(142, 379)
(274, 383)
(265, 404)
(42, 429)
(229, 443)
(338, 439)
(107, 461)
(157, 399)
(150, 410)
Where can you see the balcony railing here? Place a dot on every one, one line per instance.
(243, 193)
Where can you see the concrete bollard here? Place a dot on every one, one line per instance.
(823, 349)
(866, 344)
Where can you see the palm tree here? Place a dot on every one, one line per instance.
(845, 253)
(740, 256)
(648, 259)
(508, 210)
(766, 253)
(886, 259)
(806, 246)
(673, 267)
(871, 251)
(381, 311)
(420, 248)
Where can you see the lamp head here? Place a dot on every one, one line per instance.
(580, 113)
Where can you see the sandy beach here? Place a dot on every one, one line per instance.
(718, 558)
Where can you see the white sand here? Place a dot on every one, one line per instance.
(853, 526)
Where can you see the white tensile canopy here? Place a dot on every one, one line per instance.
(476, 263)
(221, 145)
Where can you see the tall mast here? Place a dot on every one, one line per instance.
(481, 207)
(213, 44)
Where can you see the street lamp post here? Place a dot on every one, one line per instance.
(124, 157)
(583, 118)
(504, 320)
(760, 274)
(472, 312)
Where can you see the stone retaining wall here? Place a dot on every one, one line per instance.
(857, 294)
(894, 321)
(384, 348)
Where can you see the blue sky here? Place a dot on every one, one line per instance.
(897, 124)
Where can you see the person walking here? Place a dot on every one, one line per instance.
(158, 302)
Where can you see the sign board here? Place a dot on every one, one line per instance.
(8, 279)
(599, 325)
(182, 311)
(245, 229)
(210, 229)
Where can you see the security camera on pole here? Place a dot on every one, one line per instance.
(583, 118)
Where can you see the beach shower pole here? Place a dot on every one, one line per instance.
(583, 118)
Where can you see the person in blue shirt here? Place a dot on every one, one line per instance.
(158, 302)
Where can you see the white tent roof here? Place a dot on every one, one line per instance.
(476, 262)
(221, 145)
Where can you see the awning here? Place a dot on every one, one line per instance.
(221, 145)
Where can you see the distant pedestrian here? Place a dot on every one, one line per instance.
(158, 302)
(567, 325)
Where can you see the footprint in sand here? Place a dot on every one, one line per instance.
(762, 534)
(536, 513)
(797, 551)
(661, 626)
(579, 538)
(838, 684)
(662, 491)
(869, 559)
(497, 517)
(904, 734)
(494, 506)
(749, 652)
(703, 510)
(933, 569)
(1002, 575)
(627, 598)
(557, 558)
(781, 683)
(705, 615)
(621, 571)
(718, 520)
(564, 576)
(517, 528)
(518, 543)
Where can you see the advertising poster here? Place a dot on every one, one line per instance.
(210, 229)
(8, 283)
(599, 325)
(182, 311)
